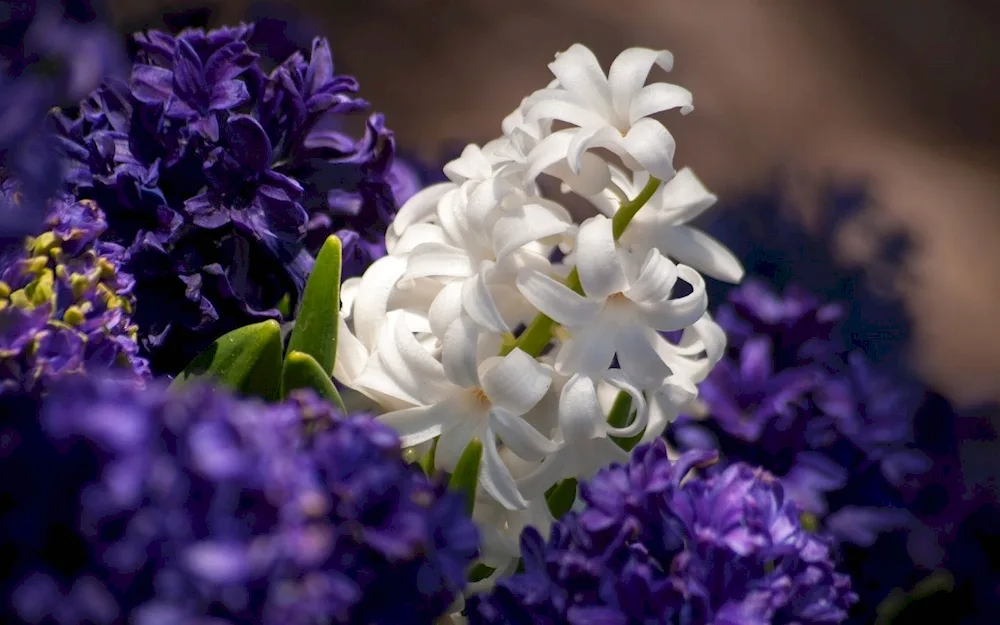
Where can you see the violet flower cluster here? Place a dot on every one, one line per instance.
(790, 397)
(65, 302)
(222, 180)
(651, 547)
(155, 506)
(51, 53)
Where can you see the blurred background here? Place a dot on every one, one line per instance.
(898, 96)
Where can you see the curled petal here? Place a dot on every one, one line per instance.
(445, 308)
(683, 198)
(657, 278)
(496, 478)
(556, 300)
(589, 351)
(591, 175)
(458, 352)
(699, 250)
(640, 363)
(597, 262)
(549, 104)
(658, 97)
(477, 301)
(520, 436)
(413, 236)
(617, 379)
(669, 315)
(525, 224)
(652, 146)
(408, 364)
(421, 424)
(580, 415)
(579, 72)
(438, 260)
(628, 74)
(515, 382)
(372, 299)
(471, 165)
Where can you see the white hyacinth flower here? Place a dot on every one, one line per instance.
(662, 223)
(612, 111)
(627, 300)
(464, 397)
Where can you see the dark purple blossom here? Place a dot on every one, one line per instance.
(650, 548)
(51, 53)
(65, 303)
(192, 506)
(222, 180)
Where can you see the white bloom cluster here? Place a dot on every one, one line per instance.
(495, 317)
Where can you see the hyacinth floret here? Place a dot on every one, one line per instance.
(65, 303)
(191, 505)
(650, 546)
(223, 180)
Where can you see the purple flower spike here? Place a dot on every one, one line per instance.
(193, 506)
(738, 554)
(222, 180)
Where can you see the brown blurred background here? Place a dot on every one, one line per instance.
(903, 94)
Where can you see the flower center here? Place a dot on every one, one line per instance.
(481, 397)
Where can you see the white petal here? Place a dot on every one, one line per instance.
(600, 453)
(420, 207)
(351, 355)
(589, 351)
(477, 301)
(372, 299)
(471, 165)
(640, 363)
(587, 138)
(549, 156)
(702, 252)
(445, 308)
(516, 382)
(579, 72)
(415, 235)
(348, 291)
(597, 261)
(548, 474)
(496, 479)
(484, 198)
(617, 379)
(549, 104)
(454, 441)
(417, 425)
(658, 97)
(684, 197)
(669, 315)
(628, 74)
(439, 260)
(518, 435)
(557, 300)
(407, 363)
(530, 222)
(677, 392)
(657, 278)
(458, 352)
(652, 146)
(580, 415)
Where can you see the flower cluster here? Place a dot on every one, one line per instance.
(196, 506)
(65, 303)
(51, 53)
(495, 317)
(652, 547)
(222, 180)
(790, 397)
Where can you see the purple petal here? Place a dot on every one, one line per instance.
(152, 85)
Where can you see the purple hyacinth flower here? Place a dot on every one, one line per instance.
(739, 554)
(180, 506)
(216, 177)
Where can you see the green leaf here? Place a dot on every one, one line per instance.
(302, 371)
(248, 360)
(427, 460)
(618, 417)
(560, 497)
(466, 475)
(479, 572)
(315, 330)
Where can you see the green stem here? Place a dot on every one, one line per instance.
(539, 332)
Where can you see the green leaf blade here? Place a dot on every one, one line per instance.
(465, 479)
(247, 360)
(315, 331)
(302, 371)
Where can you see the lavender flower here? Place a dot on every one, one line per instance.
(154, 506)
(65, 303)
(647, 548)
(222, 180)
(51, 53)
